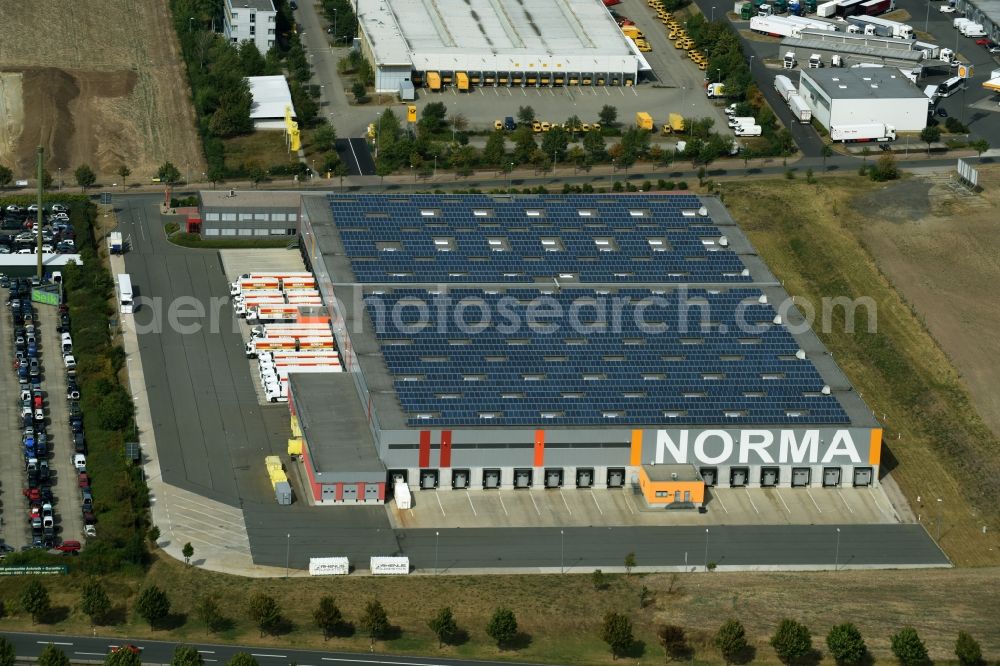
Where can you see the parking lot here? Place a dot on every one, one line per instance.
(590, 507)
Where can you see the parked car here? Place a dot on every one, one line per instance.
(69, 361)
(947, 9)
(83, 480)
(80, 462)
(72, 547)
(984, 41)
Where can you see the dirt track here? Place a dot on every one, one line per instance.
(108, 90)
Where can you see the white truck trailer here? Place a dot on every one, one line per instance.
(863, 132)
(881, 27)
(827, 9)
(784, 86)
(800, 109)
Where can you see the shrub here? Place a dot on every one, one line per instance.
(791, 641)
(908, 648)
(845, 644)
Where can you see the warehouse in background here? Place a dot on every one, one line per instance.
(494, 43)
(865, 103)
(985, 12)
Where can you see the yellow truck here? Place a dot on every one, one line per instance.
(643, 120)
(676, 122)
(463, 80)
(632, 32)
(434, 80)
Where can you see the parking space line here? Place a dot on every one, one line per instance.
(777, 491)
(593, 495)
(840, 493)
(718, 496)
(471, 505)
(438, 498)
(565, 502)
(627, 502)
(814, 501)
(532, 497)
(502, 505)
(749, 497)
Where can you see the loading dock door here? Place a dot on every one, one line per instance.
(769, 477)
(491, 478)
(616, 477)
(522, 478)
(460, 478)
(371, 491)
(428, 479)
(738, 477)
(831, 477)
(862, 476)
(584, 478)
(553, 478)
(350, 492)
(800, 477)
(708, 475)
(329, 492)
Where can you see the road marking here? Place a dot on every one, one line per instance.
(593, 496)
(52, 643)
(718, 496)
(814, 501)
(276, 656)
(627, 503)
(355, 155)
(440, 505)
(565, 502)
(206, 651)
(203, 659)
(98, 654)
(778, 493)
(375, 661)
(471, 505)
(843, 499)
(751, 500)
(500, 497)
(532, 498)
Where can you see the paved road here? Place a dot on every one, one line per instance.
(89, 648)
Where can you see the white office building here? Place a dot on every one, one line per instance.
(254, 20)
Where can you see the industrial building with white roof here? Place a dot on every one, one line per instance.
(495, 42)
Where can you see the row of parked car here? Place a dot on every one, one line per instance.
(35, 437)
(57, 232)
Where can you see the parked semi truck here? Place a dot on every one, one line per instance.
(787, 26)
(715, 90)
(115, 244)
(863, 132)
(784, 86)
(881, 27)
(800, 109)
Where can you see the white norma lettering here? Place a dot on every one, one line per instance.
(756, 441)
(754, 446)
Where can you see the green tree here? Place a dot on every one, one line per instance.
(616, 631)
(185, 655)
(885, 168)
(673, 640)
(574, 125)
(47, 180)
(216, 173)
(328, 617)
(6, 176)
(153, 605)
(256, 173)
(494, 152)
(980, 146)
(525, 114)
(359, 91)
(208, 611)
(459, 123)
(593, 143)
(94, 601)
(116, 409)
(85, 176)
(304, 104)
(325, 137)
(52, 656)
(791, 641)
(731, 640)
(930, 134)
(242, 659)
(263, 610)
(908, 648)
(374, 620)
(123, 173)
(123, 657)
(524, 144)
(967, 648)
(444, 626)
(554, 144)
(826, 151)
(251, 61)
(846, 645)
(629, 563)
(644, 592)
(35, 600)
(187, 552)
(432, 118)
(598, 579)
(608, 116)
(502, 626)
(7, 654)
(169, 174)
(153, 534)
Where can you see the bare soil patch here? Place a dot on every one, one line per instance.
(110, 91)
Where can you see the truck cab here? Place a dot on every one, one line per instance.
(765, 10)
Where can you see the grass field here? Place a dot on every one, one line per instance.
(560, 615)
(933, 432)
(266, 148)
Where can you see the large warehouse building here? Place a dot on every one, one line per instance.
(564, 341)
(494, 43)
(863, 95)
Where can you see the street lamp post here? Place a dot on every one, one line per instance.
(436, 535)
(612, 173)
(190, 23)
(510, 168)
(335, 25)
(927, 18)
(713, 12)
(751, 62)
(288, 548)
(562, 552)
(836, 554)
(706, 549)
(718, 75)
(939, 503)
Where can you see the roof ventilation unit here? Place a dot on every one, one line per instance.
(723, 241)
(825, 390)
(763, 299)
(777, 320)
(800, 354)
(703, 211)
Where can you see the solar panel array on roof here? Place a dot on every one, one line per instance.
(632, 238)
(577, 349)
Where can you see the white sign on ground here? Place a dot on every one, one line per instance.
(968, 173)
(390, 565)
(329, 566)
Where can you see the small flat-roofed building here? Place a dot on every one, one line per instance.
(858, 96)
(672, 486)
(271, 100)
(249, 214)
